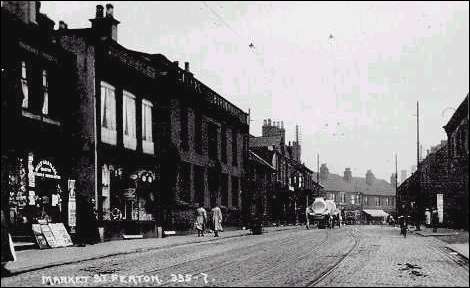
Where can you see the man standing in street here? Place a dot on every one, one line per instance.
(435, 219)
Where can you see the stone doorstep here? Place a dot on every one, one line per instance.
(241, 233)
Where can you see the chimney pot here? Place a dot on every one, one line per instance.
(62, 25)
(109, 10)
(177, 63)
(99, 11)
(186, 66)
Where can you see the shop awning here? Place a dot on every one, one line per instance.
(375, 213)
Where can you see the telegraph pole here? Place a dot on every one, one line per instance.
(396, 185)
(418, 202)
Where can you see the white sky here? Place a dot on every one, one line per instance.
(354, 95)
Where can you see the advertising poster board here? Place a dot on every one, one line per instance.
(40, 239)
(46, 231)
(440, 207)
(61, 235)
(72, 206)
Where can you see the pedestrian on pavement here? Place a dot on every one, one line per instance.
(217, 220)
(87, 224)
(201, 218)
(8, 250)
(403, 226)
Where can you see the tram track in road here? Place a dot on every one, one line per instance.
(248, 255)
(335, 266)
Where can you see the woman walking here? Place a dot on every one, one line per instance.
(201, 217)
(217, 220)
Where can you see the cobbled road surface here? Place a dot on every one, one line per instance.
(346, 256)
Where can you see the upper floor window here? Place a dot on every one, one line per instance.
(343, 197)
(108, 114)
(128, 121)
(223, 134)
(184, 127)
(365, 200)
(45, 93)
(387, 202)
(198, 133)
(212, 135)
(377, 201)
(24, 85)
(234, 148)
(147, 139)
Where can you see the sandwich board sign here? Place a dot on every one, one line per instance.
(61, 235)
(46, 231)
(40, 239)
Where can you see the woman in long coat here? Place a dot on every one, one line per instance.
(201, 217)
(217, 220)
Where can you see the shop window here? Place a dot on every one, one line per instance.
(234, 148)
(184, 127)
(186, 182)
(223, 134)
(147, 139)
(235, 191)
(24, 85)
(128, 121)
(45, 93)
(108, 114)
(212, 135)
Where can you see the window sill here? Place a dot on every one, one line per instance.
(108, 136)
(148, 147)
(130, 142)
(42, 118)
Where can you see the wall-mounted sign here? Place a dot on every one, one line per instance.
(72, 206)
(440, 207)
(46, 169)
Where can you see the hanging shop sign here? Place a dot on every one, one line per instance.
(45, 169)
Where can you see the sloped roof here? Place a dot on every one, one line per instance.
(260, 160)
(336, 182)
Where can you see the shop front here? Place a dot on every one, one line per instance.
(37, 192)
(128, 201)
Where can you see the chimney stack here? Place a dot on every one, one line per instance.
(348, 175)
(99, 11)
(282, 124)
(269, 121)
(105, 27)
(109, 11)
(186, 66)
(265, 122)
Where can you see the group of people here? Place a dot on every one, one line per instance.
(202, 223)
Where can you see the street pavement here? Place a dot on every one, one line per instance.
(346, 256)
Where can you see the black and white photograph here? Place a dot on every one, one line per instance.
(235, 143)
